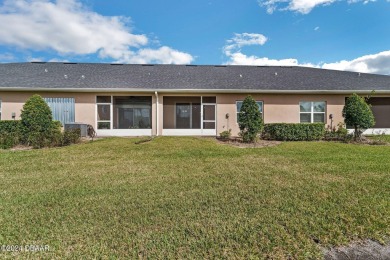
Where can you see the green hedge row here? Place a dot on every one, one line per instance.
(9, 126)
(294, 132)
(15, 126)
(10, 134)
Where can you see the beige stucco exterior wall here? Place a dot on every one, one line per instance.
(84, 104)
(276, 108)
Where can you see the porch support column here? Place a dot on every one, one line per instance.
(156, 112)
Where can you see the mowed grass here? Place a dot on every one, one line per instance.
(193, 198)
(382, 138)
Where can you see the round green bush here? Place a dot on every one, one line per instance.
(249, 120)
(357, 113)
(36, 122)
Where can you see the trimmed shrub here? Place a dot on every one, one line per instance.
(7, 140)
(9, 133)
(10, 126)
(37, 122)
(54, 135)
(357, 113)
(225, 135)
(294, 132)
(249, 120)
(339, 134)
(72, 136)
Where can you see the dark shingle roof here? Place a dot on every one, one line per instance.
(84, 76)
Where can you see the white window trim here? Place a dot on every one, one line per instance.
(111, 113)
(262, 109)
(312, 112)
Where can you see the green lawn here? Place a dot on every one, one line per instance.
(193, 198)
(382, 138)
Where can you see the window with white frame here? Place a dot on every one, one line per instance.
(132, 112)
(124, 112)
(312, 112)
(103, 112)
(239, 105)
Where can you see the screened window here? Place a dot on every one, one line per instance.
(124, 112)
(103, 99)
(103, 112)
(134, 112)
(312, 112)
(259, 104)
(211, 100)
(182, 112)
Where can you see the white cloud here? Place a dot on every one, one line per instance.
(243, 39)
(164, 55)
(239, 58)
(6, 57)
(301, 6)
(378, 63)
(232, 50)
(375, 63)
(67, 27)
(35, 59)
(316, 28)
(58, 60)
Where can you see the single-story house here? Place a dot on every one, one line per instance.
(134, 100)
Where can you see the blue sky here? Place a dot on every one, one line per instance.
(335, 34)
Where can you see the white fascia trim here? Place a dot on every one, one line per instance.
(237, 91)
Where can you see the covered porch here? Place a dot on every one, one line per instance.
(189, 115)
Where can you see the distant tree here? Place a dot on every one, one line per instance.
(357, 113)
(249, 120)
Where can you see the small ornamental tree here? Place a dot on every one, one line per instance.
(249, 120)
(36, 122)
(357, 113)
